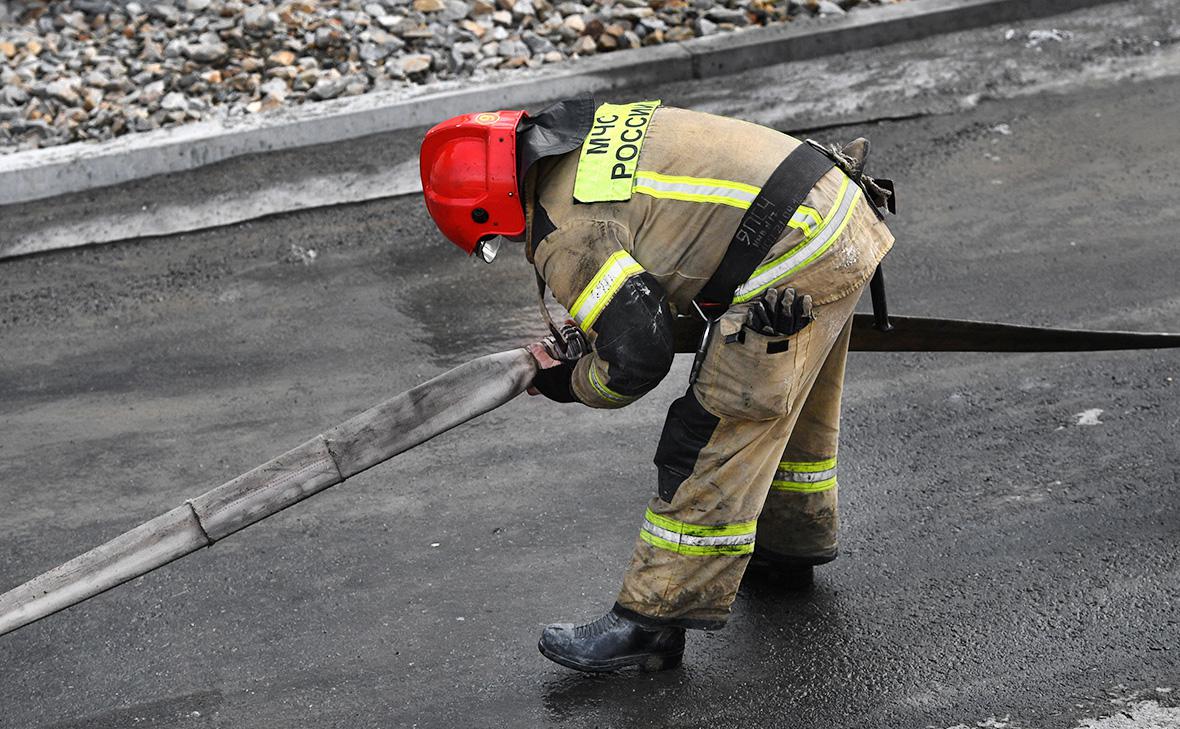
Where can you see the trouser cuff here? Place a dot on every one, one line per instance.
(648, 621)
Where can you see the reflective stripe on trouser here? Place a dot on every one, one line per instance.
(680, 538)
(731, 464)
(799, 522)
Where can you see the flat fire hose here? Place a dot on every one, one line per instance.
(372, 437)
(924, 334)
(929, 334)
(880, 332)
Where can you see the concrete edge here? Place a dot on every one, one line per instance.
(42, 173)
(215, 211)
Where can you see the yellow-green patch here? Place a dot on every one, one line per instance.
(610, 153)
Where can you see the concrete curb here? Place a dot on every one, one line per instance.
(72, 168)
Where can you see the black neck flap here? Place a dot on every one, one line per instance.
(558, 129)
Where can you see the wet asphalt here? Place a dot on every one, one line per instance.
(998, 558)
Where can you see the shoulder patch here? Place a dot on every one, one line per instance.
(610, 152)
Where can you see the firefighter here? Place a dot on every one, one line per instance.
(640, 217)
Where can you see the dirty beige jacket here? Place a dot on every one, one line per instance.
(624, 268)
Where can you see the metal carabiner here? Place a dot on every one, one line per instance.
(699, 359)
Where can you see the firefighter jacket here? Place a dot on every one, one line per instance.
(627, 229)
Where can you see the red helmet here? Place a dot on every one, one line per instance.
(468, 167)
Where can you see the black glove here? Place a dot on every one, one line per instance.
(778, 313)
(554, 383)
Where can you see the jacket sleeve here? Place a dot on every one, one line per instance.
(622, 309)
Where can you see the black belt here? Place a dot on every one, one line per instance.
(760, 228)
(764, 222)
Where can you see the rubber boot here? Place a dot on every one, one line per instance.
(788, 578)
(610, 643)
(789, 574)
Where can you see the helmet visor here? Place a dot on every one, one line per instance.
(488, 248)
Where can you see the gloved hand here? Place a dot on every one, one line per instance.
(778, 313)
(555, 383)
(557, 358)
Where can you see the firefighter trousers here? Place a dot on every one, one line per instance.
(747, 455)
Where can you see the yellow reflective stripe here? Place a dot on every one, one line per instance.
(604, 391)
(602, 288)
(810, 212)
(805, 476)
(803, 487)
(676, 538)
(692, 197)
(811, 248)
(610, 152)
(803, 225)
(806, 219)
(807, 466)
(694, 549)
(694, 530)
(753, 190)
(696, 189)
(713, 182)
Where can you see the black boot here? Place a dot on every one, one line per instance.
(782, 572)
(610, 643)
(788, 578)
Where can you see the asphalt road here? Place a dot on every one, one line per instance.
(1003, 565)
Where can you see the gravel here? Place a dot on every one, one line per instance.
(78, 70)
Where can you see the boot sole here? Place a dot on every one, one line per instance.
(644, 662)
